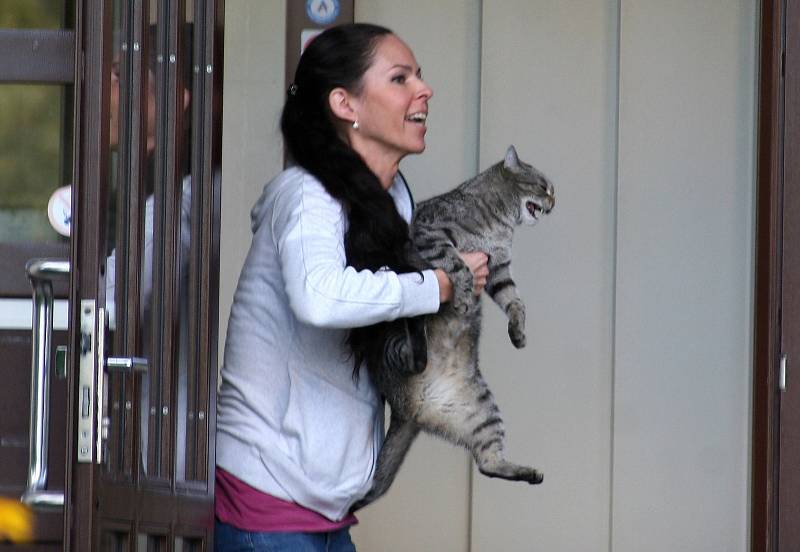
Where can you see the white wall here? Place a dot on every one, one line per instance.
(252, 149)
(633, 393)
(434, 470)
(549, 87)
(684, 275)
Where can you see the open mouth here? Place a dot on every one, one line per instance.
(533, 209)
(418, 118)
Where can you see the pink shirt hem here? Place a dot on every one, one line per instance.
(247, 508)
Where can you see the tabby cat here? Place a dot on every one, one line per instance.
(427, 367)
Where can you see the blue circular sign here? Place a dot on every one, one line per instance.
(322, 12)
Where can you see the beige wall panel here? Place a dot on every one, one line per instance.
(445, 39)
(428, 506)
(549, 87)
(252, 149)
(684, 278)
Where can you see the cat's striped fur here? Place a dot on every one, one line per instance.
(434, 384)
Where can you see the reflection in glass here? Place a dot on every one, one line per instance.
(116, 404)
(154, 410)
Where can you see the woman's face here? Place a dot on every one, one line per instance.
(392, 106)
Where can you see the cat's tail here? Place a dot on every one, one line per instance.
(398, 441)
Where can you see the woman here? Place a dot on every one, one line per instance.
(297, 436)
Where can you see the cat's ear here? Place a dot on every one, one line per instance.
(511, 160)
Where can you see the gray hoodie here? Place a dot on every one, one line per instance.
(291, 421)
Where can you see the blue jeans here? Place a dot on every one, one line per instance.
(228, 538)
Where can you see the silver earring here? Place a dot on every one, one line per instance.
(355, 125)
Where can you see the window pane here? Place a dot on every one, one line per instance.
(32, 14)
(34, 157)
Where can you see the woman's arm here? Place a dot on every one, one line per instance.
(308, 232)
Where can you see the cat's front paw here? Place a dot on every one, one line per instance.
(463, 297)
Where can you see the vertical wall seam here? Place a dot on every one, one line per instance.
(479, 86)
(615, 272)
(476, 168)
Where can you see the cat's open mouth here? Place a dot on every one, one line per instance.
(533, 209)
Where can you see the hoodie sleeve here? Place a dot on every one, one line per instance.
(308, 233)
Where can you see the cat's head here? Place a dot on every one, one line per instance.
(536, 195)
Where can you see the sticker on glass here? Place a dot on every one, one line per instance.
(59, 210)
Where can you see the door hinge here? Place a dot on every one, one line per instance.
(782, 373)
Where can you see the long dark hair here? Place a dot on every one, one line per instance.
(377, 236)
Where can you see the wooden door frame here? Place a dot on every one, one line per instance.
(92, 108)
(767, 297)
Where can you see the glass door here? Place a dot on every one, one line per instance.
(142, 395)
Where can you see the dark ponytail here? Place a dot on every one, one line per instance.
(376, 236)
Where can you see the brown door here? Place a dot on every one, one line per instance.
(36, 129)
(143, 327)
(776, 382)
(789, 446)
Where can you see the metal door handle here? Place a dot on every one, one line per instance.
(127, 365)
(41, 273)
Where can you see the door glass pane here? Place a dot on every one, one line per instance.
(187, 545)
(191, 414)
(156, 387)
(151, 144)
(113, 541)
(149, 543)
(35, 160)
(172, 71)
(117, 404)
(129, 234)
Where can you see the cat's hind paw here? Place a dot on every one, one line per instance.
(517, 336)
(516, 324)
(535, 478)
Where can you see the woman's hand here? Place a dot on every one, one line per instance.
(478, 264)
